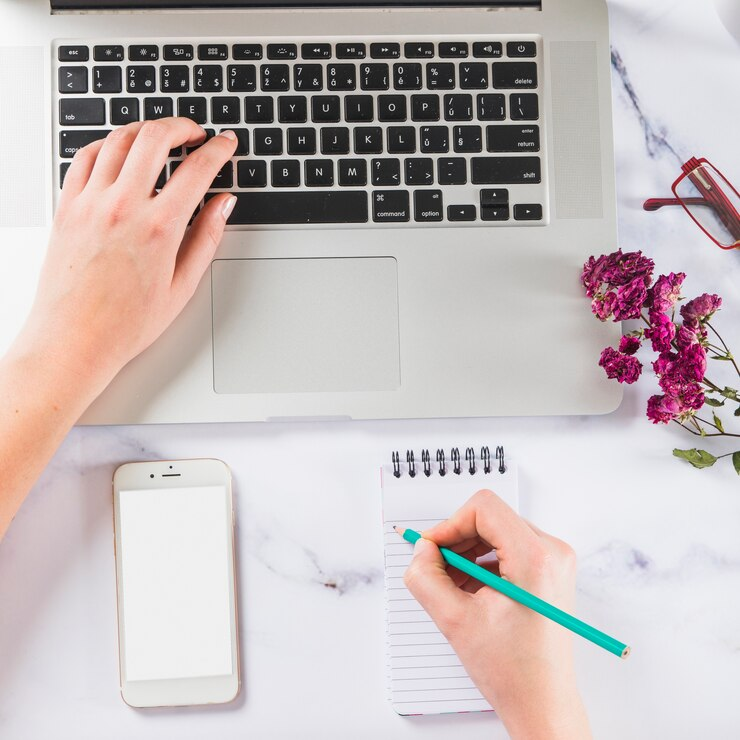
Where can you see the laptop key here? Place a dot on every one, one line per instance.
(174, 78)
(247, 51)
(141, 79)
(208, 78)
(241, 77)
(458, 107)
(448, 50)
(301, 141)
(407, 76)
(497, 197)
(157, 108)
(274, 77)
(427, 205)
(418, 50)
(213, 51)
(391, 107)
(123, 111)
(440, 75)
(319, 172)
(452, 171)
(259, 109)
(473, 76)
(251, 173)
(385, 172)
(514, 74)
(224, 177)
(494, 213)
(495, 170)
(308, 77)
(341, 77)
(385, 50)
(434, 139)
(483, 49)
(143, 53)
(513, 138)
(63, 172)
(401, 139)
(286, 173)
(193, 108)
(73, 139)
(425, 107)
(242, 140)
(527, 212)
(461, 213)
(268, 140)
(282, 51)
(72, 80)
(358, 108)
(419, 171)
(225, 110)
(351, 51)
(352, 172)
(106, 80)
(374, 76)
(73, 54)
(312, 207)
(316, 51)
(523, 107)
(491, 107)
(467, 139)
(368, 140)
(82, 112)
(335, 140)
(521, 49)
(108, 53)
(177, 52)
(325, 108)
(292, 109)
(390, 206)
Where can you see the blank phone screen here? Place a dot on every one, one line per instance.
(175, 583)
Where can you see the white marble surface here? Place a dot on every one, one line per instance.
(658, 542)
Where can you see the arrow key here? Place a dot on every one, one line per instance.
(528, 212)
(72, 80)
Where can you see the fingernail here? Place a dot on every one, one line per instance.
(228, 207)
(228, 134)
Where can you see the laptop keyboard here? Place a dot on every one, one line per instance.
(432, 133)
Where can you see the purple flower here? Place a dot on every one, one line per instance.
(701, 308)
(666, 291)
(665, 362)
(693, 362)
(688, 335)
(592, 275)
(630, 299)
(602, 306)
(625, 268)
(691, 398)
(629, 345)
(661, 332)
(620, 366)
(662, 409)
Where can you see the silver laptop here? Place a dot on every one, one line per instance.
(418, 186)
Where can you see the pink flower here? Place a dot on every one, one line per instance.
(701, 308)
(691, 398)
(593, 271)
(620, 366)
(630, 299)
(624, 268)
(666, 291)
(629, 345)
(661, 332)
(602, 306)
(688, 335)
(662, 409)
(693, 362)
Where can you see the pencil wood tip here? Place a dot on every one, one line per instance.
(626, 652)
(399, 530)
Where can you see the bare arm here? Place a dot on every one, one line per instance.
(121, 264)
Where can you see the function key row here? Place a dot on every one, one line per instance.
(277, 51)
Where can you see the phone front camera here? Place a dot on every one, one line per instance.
(151, 475)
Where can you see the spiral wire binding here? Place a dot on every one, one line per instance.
(485, 458)
(395, 457)
(470, 459)
(426, 462)
(500, 458)
(441, 461)
(455, 458)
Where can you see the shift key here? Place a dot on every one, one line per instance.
(502, 170)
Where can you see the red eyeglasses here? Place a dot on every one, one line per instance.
(709, 198)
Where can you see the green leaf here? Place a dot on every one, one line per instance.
(720, 357)
(737, 411)
(698, 458)
(736, 461)
(730, 393)
(718, 423)
(713, 402)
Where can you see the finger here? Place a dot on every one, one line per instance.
(200, 244)
(194, 176)
(79, 171)
(112, 155)
(429, 583)
(489, 518)
(150, 148)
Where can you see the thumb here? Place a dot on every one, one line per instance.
(427, 580)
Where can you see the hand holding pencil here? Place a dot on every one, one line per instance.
(521, 662)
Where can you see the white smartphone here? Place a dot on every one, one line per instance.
(175, 575)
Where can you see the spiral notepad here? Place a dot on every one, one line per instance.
(425, 675)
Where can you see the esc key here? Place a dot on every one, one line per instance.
(74, 54)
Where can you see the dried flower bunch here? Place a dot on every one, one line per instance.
(621, 287)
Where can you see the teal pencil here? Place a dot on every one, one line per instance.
(527, 599)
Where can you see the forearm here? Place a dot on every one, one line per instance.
(40, 400)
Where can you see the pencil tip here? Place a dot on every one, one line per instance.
(399, 530)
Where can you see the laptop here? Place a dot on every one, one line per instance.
(418, 185)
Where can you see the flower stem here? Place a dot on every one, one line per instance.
(727, 349)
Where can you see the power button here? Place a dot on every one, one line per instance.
(521, 49)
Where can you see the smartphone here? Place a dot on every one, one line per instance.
(175, 580)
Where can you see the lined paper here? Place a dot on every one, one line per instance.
(425, 675)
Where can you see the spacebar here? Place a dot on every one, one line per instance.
(328, 207)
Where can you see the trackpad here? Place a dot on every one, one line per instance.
(305, 325)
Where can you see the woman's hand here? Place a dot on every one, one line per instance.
(520, 661)
(120, 264)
